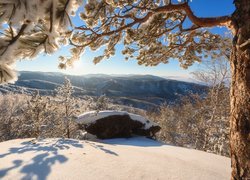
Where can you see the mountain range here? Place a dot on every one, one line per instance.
(141, 91)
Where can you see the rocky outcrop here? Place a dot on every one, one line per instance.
(118, 125)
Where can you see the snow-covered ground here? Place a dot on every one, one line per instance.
(115, 159)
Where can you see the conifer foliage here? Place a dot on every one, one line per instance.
(152, 31)
(64, 94)
(28, 27)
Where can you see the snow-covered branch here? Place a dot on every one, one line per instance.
(31, 27)
(152, 31)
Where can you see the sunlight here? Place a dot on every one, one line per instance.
(76, 68)
(76, 65)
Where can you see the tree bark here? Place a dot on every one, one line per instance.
(240, 92)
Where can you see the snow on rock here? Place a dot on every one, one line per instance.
(113, 124)
(123, 159)
(93, 116)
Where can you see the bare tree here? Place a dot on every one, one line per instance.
(189, 123)
(36, 114)
(12, 107)
(216, 75)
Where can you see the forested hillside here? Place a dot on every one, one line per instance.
(141, 91)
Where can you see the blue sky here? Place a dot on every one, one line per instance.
(117, 64)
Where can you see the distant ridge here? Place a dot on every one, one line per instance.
(141, 91)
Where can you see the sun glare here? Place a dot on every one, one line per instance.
(76, 68)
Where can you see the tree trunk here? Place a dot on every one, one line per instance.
(240, 92)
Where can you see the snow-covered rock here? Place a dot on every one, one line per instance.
(92, 116)
(113, 124)
(123, 159)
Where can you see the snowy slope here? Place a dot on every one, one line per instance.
(135, 158)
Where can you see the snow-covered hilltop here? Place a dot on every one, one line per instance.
(133, 158)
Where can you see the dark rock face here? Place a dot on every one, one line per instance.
(119, 126)
(147, 132)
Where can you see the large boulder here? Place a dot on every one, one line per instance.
(116, 124)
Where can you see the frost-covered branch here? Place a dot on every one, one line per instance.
(152, 31)
(32, 27)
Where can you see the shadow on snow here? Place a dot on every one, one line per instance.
(134, 141)
(41, 164)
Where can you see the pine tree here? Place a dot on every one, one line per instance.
(152, 32)
(32, 27)
(64, 94)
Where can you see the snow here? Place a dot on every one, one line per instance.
(92, 116)
(123, 159)
(34, 18)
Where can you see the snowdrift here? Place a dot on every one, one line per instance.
(133, 158)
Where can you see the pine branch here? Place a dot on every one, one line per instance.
(15, 38)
